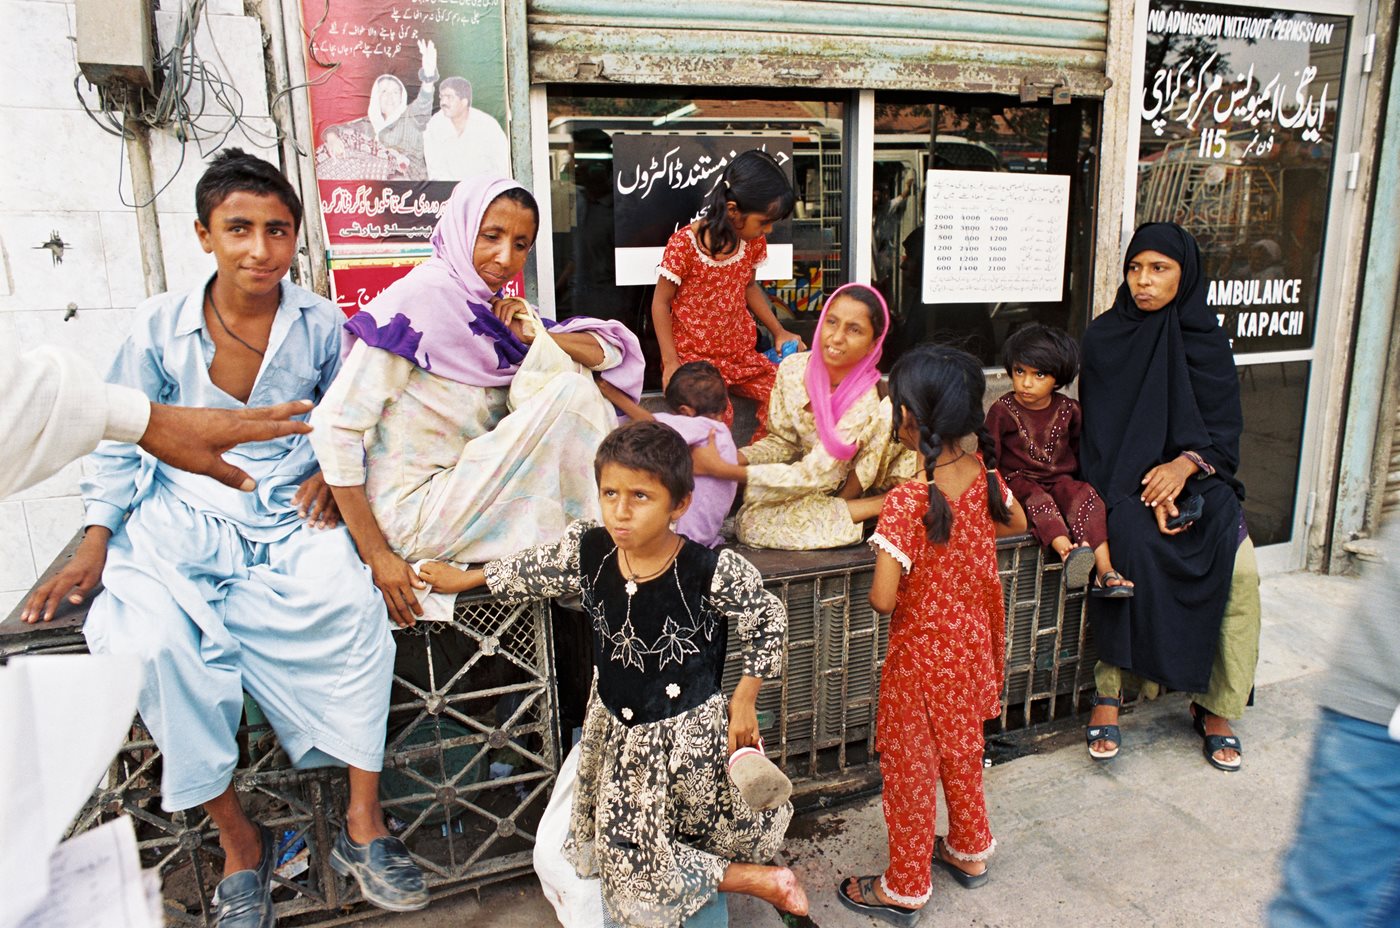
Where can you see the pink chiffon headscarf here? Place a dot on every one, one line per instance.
(828, 405)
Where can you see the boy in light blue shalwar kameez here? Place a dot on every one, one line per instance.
(221, 592)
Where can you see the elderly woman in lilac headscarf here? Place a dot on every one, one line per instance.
(420, 439)
(829, 453)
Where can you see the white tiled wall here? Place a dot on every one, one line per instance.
(62, 175)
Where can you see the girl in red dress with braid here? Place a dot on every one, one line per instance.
(706, 285)
(936, 570)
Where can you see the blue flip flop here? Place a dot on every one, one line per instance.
(888, 912)
(1078, 567)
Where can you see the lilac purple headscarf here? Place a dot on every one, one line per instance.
(439, 314)
(828, 405)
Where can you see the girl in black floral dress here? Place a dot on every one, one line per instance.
(656, 816)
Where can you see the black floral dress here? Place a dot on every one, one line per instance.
(655, 815)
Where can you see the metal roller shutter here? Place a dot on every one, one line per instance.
(1391, 503)
(895, 45)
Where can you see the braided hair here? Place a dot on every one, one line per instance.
(756, 183)
(942, 389)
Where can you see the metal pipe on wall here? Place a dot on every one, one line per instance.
(270, 15)
(1114, 157)
(1375, 334)
(520, 130)
(281, 21)
(143, 192)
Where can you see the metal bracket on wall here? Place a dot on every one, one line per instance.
(1053, 87)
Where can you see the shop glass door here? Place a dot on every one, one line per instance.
(1244, 120)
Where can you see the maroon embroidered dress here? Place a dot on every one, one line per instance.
(1038, 455)
(710, 318)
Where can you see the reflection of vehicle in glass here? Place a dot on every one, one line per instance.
(977, 327)
(899, 159)
(817, 180)
(1223, 201)
(1256, 218)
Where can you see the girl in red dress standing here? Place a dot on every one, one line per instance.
(706, 285)
(936, 570)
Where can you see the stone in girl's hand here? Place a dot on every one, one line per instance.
(759, 780)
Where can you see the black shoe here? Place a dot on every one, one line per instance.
(387, 875)
(244, 899)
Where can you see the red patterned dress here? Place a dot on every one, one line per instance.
(1038, 454)
(942, 678)
(710, 316)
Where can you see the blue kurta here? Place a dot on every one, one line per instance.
(219, 591)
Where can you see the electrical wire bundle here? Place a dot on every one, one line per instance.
(190, 91)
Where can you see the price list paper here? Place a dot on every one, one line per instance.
(994, 237)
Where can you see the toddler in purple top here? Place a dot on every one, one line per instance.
(698, 396)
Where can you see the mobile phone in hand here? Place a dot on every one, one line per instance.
(1188, 510)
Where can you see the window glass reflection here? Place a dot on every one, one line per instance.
(1274, 397)
(966, 132)
(584, 130)
(1238, 143)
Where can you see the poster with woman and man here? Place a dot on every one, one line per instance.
(407, 98)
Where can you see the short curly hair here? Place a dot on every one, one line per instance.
(653, 448)
(699, 385)
(233, 170)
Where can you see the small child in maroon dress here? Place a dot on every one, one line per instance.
(1036, 432)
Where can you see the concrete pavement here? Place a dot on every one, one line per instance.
(1155, 837)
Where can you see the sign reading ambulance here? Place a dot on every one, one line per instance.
(1238, 109)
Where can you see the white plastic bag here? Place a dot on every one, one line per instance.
(543, 362)
(578, 903)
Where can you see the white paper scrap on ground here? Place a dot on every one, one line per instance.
(62, 719)
(96, 882)
(994, 237)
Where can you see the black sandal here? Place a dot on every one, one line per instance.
(1108, 733)
(965, 879)
(885, 911)
(1212, 743)
(1102, 590)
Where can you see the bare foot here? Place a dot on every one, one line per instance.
(777, 886)
(1114, 578)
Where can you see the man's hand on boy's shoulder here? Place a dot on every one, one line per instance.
(315, 503)
(195, 438)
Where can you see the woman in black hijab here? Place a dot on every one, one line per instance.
(1162, 427)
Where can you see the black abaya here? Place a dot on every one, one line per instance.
(1155, 384)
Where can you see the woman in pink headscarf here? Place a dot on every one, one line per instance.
(429, 454)
(816, 476)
